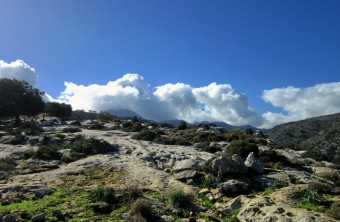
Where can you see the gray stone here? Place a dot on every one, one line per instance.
(39, 217)
(10, 218)
(255, 165)
(33, 140)
(185, 175)
(228, 166)
(188, 164)
(233, 187)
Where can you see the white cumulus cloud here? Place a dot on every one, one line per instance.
(18, 70)
(170, 101)
(302, 103)
(214, 102)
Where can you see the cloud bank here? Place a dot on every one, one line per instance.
(18, 70)
(302, 103)
(214, 102)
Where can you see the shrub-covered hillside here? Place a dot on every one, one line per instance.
(319, 136)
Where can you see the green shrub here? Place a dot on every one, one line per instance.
(262, 141)
(179, 198)
(234, 134)
(47, 153)
(136, 127)
(145, 135)
(26, 154)
(209, 182)
(106, 194)
(90, 146)
(182, 126)
(71, 130)
(242, 148)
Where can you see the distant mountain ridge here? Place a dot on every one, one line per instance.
(320, 135)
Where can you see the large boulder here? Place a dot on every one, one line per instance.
(225, 165)
(254, 165)
(187, 164)
(233, 187)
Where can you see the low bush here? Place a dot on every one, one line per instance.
(147, 135)
(26, 154)
(105, 194)
(71, 130)
(242, 148)
(179, 198)
(90, 146)
(47, 153)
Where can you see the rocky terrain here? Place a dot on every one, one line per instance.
(133, 170)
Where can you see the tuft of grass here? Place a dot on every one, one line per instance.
(179, 198)
(312, 200)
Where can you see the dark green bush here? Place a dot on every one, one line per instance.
(147, 135)
(179, 198)
(242, 148)
(27, 154)
(234, 134)
(182, 126)
(136, 127)
(90, 146)
(272, 159)
(47, 153)
(106, 194)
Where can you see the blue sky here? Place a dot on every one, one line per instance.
(251, 45)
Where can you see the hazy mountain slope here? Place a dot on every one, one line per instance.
(320, 135)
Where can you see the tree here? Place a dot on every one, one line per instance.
(182, 125)
(60, 110)
(19, 98)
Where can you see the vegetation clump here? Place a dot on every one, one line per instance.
(147, 135)
(105, 194)
(179, 198)
(241, 148)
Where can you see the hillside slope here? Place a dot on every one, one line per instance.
(320, 136)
